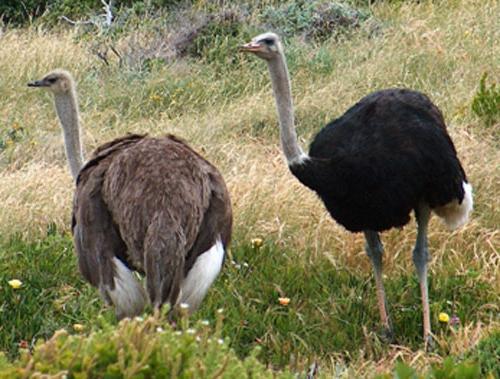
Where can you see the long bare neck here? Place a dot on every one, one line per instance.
(284, 104)
(67, 110)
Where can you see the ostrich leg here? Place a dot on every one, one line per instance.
(420, 258)
(374, 249)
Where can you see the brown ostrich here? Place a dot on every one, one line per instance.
(151, 205)
(388, 155)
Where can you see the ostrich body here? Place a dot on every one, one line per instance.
(151, 205)
(387, 155)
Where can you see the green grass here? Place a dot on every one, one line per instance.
(52, 295)
(331, 312)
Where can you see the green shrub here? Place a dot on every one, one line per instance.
(486, 102)
(487, 354)
(316, 20)
(138, 349)
(18, 12)
(446, 370)
(217, 38)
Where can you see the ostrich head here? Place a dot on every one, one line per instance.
(58, 82)
(266, 46)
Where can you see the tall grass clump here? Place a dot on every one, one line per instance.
(486, 102)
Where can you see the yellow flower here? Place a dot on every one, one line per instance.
(444, 317)
(156, 98)
(78, 327)
(256, 242)
(15, 283)
(284, 301)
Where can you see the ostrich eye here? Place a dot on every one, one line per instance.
(268, 41)
(52, 80)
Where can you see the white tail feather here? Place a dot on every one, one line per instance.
(201, 276)
(456, 214)
(128, 296)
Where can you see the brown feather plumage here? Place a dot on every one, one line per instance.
(155, 204)
(152, 205)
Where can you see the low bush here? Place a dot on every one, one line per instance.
(486, 102)
(317, 20)
(20, 12)
(487, 354)
(446, 370)
(137, 349)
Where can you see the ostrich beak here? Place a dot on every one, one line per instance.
(251, 47)
(38, 83)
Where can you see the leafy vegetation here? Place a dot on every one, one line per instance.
(486, 102)
(177, 70)
(21, 12)
(487, 354)
(316, 20)
(138, 349)
(447, 370)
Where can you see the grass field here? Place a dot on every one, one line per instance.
(224, 108)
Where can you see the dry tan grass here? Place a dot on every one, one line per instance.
(33, 198)
(439, 49)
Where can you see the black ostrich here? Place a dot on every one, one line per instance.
(387, 155)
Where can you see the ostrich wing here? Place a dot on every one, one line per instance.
(97, 239)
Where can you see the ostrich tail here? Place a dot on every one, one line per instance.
(456, 214)
(201, 276)
(128, 296)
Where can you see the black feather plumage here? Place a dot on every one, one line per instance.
(381, 159)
